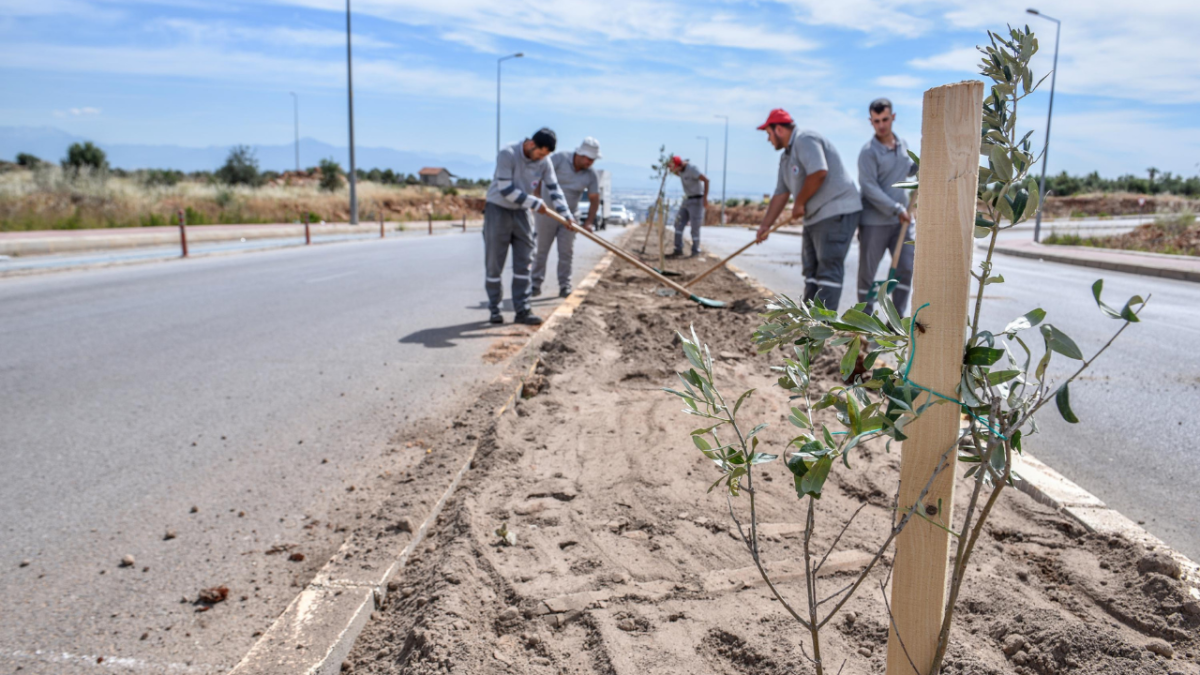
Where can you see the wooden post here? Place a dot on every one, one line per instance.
(381, 234)
(307, 234)
(183, 234)
(949, 177)
(662, 231)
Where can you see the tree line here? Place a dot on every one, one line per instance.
(1155, 182)
(240, 168)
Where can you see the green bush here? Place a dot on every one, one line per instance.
(241, 167)
(331, 175)
(160, 177)
(84, 155)
(450, 191)
(1176, 224)
(28, 161)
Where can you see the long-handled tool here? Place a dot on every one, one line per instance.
(631, 259)
(893, 271)
(736, 253)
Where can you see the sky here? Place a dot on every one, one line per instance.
(635, 74)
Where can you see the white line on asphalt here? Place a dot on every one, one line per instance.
(329, 278)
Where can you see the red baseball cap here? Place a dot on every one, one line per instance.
(777, 116)
(676, 160)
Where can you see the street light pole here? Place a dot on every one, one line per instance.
(296, 120)
(724, 166)
(350, 96)
(705, 138)
(500, 60)
(1037, 227)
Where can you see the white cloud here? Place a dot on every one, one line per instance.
(899, 81)
(960, 60)
(280, 36)
(85, 111)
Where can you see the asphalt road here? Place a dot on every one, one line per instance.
(1136, 445)
(232, 399)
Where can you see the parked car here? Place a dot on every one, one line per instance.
(619, 215)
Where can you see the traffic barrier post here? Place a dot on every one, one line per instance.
(183, 234)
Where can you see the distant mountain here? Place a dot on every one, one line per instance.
(51, 145)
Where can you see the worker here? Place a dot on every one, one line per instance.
(882, 163)
(520, 168)
(691, 210)
(575, 175)
(811, 170)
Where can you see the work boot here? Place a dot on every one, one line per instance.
(536, 291)
(496, 317)
(564, 291)
(528, 318)
(696, 253)
(675, 254)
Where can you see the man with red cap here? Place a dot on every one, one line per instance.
(692, 208)
(811, 170)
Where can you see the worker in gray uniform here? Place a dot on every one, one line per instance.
(882, 163)
(695, 196)
(811, 170)
(575, 176)
(521, 168)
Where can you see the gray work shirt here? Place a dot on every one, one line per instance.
(690, 177)
(572, 182)
(810, 152)
(518, 179)
(879, 168)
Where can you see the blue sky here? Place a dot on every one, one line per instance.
(634, 73)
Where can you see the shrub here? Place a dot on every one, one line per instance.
(331, 175)
(241, 167)
(732, 201)
(160, 177)
(28, 161)
(411, 179)
(450, 191)
(84, 156)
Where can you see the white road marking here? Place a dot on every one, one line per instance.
(329, 278)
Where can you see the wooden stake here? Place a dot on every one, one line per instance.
(949, 177)
(662, 232)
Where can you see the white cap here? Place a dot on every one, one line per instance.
(590, 148)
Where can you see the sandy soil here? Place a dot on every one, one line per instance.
(620, 562)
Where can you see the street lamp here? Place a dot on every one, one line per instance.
(724, 166)
(296, 120)
(705, 138)
(1037, 227)
(500, 60)
(350, 98)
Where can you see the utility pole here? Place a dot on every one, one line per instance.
(1037, 226)
(705, 138)
(350, 95)
(500, 60)
(296, 119)
(724, 166)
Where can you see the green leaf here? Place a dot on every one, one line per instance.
(998, 279)
(1001, 376)
(1059, 342)
(1097, 289)
(982, 232)
(829, 442)
(1127, 312)
(1001, 163)
(859, 320)
(1063, 400)
(814, 479)
(741, 400)
(1034, 197)
(906, 185)
(799, 419)
(702, 444)
(756, 429)
(983, 356)
(763, 458)
(1016, 440)
(1030, 319)
(913, 156)
(1019, 203)
(850, 360)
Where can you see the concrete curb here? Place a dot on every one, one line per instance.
(318, 629)
(1153, 266)
(1049, 487)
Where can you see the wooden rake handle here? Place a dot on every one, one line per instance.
(738, 252)
(620, 253)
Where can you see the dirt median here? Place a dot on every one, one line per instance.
(618, 561)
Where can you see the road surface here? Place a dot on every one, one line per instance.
(1135, 446)
(231, 399)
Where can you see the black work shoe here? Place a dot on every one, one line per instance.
(696, 254)
(497, 317)
(564, 291)
(536, 291)
(675, 254)
(528, 318)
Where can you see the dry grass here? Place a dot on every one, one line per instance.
(47, 199)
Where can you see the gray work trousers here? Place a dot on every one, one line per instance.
(873, 242)
(690, 211)
(823, 255)
(503, 228)
(549, 231)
